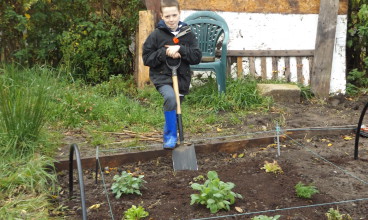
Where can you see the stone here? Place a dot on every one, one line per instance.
(285, 93)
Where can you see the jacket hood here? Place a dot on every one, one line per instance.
(161, 24)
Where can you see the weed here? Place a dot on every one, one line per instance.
(127, 184)
(333, 214)
(273, 167)
(264, 217)
(305, 191)
(135, 213)
(214, 193)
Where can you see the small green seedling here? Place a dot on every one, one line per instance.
(135, 213)
(305, 191)
(214, 193)
(272, 167)
(127, 184)
(264, 217)
(333, 214)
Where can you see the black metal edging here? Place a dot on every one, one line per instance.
(357, 134)
(74, 148)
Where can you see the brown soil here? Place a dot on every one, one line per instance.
(326, 162)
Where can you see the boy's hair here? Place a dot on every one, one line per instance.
(169, 3)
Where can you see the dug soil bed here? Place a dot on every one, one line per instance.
(326, 162)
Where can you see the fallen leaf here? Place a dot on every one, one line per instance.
(95, 206)
(240, 155)
(347, 138)
(234, 155)
(329, 145)
(238, 209)
(218, 129)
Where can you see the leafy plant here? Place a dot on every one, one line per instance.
(273, 167)
(264, 217)
(334, 214)
(135, 213)
(127, 184)
(305, 191)
(214, 193)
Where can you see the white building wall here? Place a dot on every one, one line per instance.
(258, 31)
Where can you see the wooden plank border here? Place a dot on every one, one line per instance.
(228, 147)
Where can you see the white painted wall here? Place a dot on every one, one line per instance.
(257, 31)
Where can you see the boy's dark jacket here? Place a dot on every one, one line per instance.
(154, 56)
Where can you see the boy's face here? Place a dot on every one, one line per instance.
(171, 17)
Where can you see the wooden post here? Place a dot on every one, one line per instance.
(239, 64)
(325, 41)
(155, 7)
(146, 26)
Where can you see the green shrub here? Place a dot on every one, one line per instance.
(305, 191)
(95, 48)
(127, 184)
(135, 213)
(357, 45)
(214, 193)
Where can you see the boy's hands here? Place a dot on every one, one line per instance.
(173, 51)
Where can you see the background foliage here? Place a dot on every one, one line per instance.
(87, 38)
(357, 42)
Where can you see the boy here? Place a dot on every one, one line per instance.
(163, 44)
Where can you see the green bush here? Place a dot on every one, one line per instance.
(357, 45)
(98, 47)
(75, 34)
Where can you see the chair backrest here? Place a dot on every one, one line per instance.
(208, 27)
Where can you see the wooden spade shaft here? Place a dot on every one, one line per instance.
(178, 108)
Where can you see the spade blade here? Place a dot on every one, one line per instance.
(184, 158)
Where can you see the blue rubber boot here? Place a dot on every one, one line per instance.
(170, 130)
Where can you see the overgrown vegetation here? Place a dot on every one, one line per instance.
(27, 178)
(357, 42)
(85, 39)
(214, 193)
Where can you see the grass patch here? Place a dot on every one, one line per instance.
(26, 186)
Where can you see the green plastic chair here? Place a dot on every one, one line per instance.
(208, 27)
